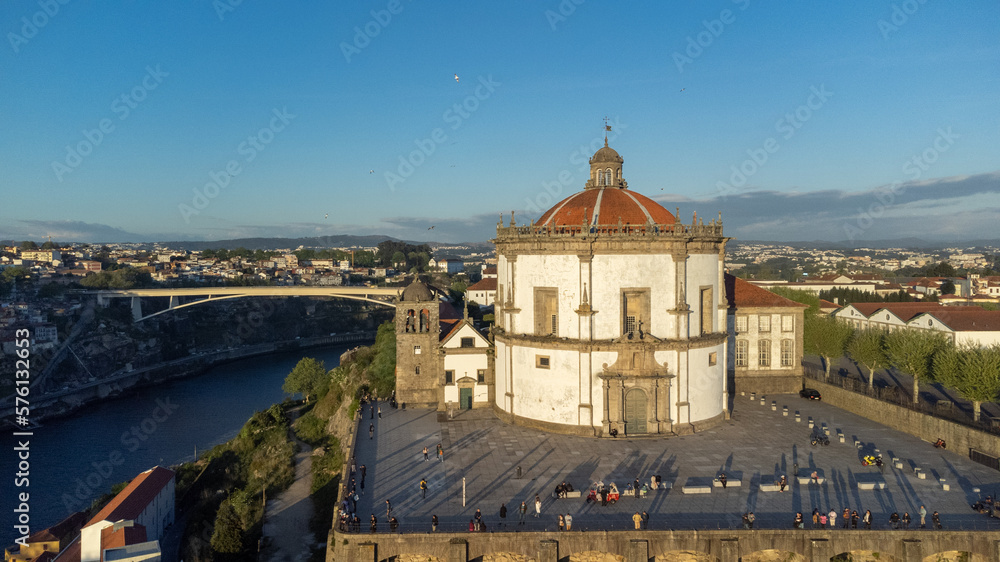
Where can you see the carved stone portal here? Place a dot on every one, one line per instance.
(636, 392)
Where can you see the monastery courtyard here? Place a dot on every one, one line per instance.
(757, 443)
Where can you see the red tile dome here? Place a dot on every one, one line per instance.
(605, 206)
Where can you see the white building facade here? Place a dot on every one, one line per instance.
(610, 315)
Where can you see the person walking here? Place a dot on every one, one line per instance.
(371, 431)
(923, 517)
(423, 488)
(521, 511)
(364, 471)
(503, 515)
(434, 523)
(388, 510)
(936, 519)
(637, 519)
(440, 452)
(538, 506)
(380, 412)
(867, 519)
(569, 522)
(372, 414)
(854, 519)
(425, 453)
(645, 520)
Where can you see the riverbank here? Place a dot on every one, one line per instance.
(64, 403)
(77, 458)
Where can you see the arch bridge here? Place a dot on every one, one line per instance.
(385, 296)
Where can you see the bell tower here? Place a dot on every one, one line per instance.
(418, 361)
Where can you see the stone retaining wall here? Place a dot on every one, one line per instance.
(960, 438)
(664, 546)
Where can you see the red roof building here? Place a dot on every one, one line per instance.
(765, 344)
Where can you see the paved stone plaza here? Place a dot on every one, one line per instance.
(757, 443)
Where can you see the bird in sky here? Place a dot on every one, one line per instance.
(682, 89)
(371, 171)
(430, 228)
(326, 216)
(456, 78)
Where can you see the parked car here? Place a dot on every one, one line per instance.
(810, 394)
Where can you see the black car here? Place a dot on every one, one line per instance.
(810, 393)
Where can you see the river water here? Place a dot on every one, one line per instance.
(79, 457)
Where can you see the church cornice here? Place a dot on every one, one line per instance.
(551, 342)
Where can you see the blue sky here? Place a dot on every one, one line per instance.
(313, 120)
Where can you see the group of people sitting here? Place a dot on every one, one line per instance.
(985, 506)
(562, 490)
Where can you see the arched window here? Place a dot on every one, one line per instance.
(607, 177)
(411, 319)
(425, 321)
(742, 351)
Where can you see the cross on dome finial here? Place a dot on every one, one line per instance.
(606, 129)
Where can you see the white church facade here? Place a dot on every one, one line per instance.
(610, 319)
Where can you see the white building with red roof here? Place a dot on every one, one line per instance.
(132, 523)
(766, 349)
(484, 292)
(610, 315)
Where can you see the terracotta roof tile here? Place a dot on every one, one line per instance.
(904, 310)
(131, 501)
(742, 294)
(70, 553)
(969, 319)
(123, 536)
(69, 526)
(487, 284)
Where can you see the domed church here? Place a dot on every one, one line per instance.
(610, 315)
(610, 319)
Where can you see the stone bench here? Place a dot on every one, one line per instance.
(808, 480)
(920, 474)
(573, 494)
(730, 483)
(871, 485)
(696, 489)
(769, 487)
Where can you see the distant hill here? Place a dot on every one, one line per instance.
(907, 243)
(338, 241)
